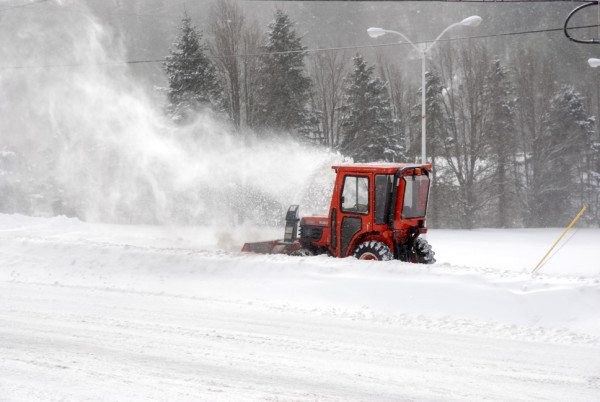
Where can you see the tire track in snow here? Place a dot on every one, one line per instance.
(312, 263)
(115, 342)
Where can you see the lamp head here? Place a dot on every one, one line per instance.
(375, 32)
(471, 21)
(594, 62)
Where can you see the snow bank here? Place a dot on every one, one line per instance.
(108, 312)
(490, 288)
(520, 250)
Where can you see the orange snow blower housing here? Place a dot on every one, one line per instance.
(377, 212)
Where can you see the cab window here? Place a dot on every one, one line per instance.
(384, 185)
(355, 195)
(416, 190)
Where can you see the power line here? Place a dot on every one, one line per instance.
(181, 3)
(100, 13)
(76, 10)
(571, 15)
(313, 50)
(157, 10)
(32, 2)
(165, 7)
(449, 1)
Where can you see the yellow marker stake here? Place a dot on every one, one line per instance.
(573, 222)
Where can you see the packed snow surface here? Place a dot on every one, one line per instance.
(105, 312)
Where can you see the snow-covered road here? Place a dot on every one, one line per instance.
(107, 312)
(77, 342)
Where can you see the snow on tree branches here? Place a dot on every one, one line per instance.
(283, 89)
(366, 118)
(193, 81)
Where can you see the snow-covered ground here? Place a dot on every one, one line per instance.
(105, 312)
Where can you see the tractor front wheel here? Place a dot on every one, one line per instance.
(422, 252)
(373, 250)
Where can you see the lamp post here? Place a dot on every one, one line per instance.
(596, 63)
(373, 32)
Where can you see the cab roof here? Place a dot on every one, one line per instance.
(385, 168)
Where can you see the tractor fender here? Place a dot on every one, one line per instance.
(369, 236)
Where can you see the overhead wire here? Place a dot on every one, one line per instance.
(571, 15)
(30, 3)
(309, 50)
(76, 10)
(166, 6)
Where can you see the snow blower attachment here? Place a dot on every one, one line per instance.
(288, 245)
(377, 212)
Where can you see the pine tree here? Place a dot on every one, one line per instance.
(193, 82)
(284, 89)
(366, 118)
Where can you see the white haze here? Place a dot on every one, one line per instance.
(86, 140)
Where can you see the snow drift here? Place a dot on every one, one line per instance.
(104, 312)
(203, 262)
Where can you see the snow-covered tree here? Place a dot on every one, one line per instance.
(227, 27)
(284, 88)
(561, 149)
(327, 70)
(436, 133)
(366, 118)
(193, 81)
(535, 85)
(434, 104)
(252, 38)
(593, 182)
(465, 148)
(501, 126)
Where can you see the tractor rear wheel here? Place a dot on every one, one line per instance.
(422, 252)
(373, 250)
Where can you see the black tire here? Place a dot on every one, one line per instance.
(302, 252)
(422, 252)
(373, 250)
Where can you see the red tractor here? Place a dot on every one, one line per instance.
(377, 212)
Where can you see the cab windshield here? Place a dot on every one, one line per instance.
(416, 189)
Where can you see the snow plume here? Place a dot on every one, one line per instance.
(79, 137)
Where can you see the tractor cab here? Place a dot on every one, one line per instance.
(384, 203)
(377, 211)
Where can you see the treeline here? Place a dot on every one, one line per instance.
(510, 145)
(264, 83)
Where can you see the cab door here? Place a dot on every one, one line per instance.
(354, 210)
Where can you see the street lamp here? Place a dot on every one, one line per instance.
(373, 32)
(594, 62)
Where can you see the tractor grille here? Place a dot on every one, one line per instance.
(311, 233)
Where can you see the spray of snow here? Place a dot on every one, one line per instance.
(92, 143)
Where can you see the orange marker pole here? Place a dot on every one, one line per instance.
(573, 222)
